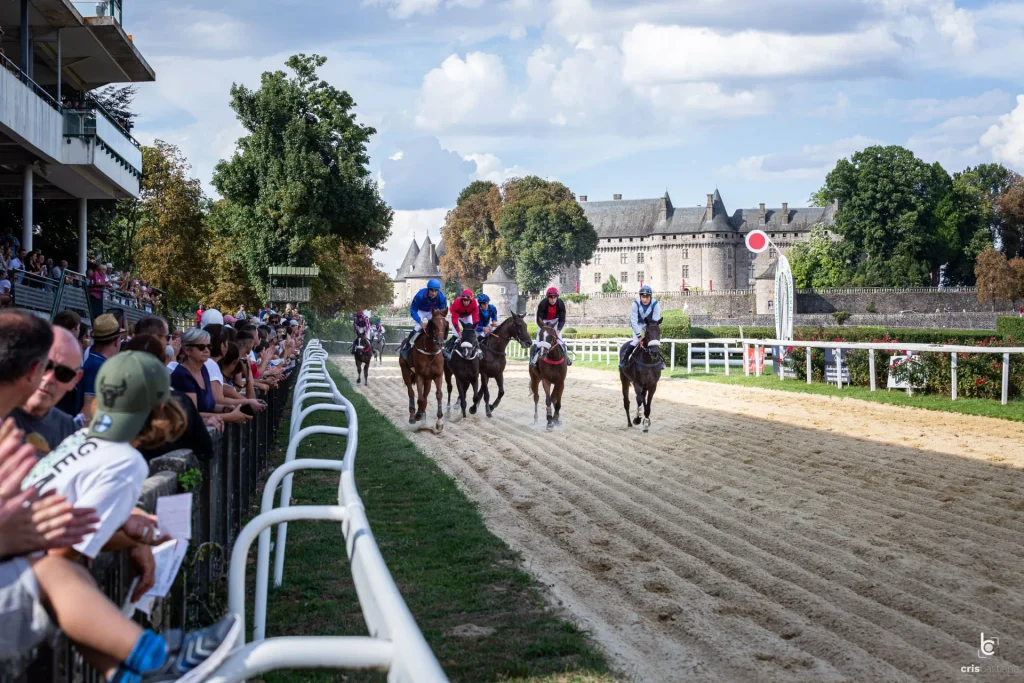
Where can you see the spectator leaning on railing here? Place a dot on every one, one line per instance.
(106, 335)
(98, 467)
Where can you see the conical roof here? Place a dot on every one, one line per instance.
(720, 217)
(441, 250)
(426, 262)
(498, 277)
(410, 258)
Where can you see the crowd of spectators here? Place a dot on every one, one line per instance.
(80, 417)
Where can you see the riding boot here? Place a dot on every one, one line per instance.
(409, 341)
(533, 356)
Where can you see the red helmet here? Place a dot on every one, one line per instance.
(553, 290)
(467, 293)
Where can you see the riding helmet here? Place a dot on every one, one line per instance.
(552, 290)
(468, 293)
(483, 298)
(646, 289)
(434, 284)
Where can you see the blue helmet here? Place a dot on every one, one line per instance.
(646, 290)
(434, 284)
(483, 298)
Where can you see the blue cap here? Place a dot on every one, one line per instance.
(434, 284)
(483, 298)
(646, 290)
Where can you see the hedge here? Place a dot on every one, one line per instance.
(1010, 328)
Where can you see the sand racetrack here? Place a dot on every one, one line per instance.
(754, 535)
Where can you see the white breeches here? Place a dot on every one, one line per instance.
(422, 315)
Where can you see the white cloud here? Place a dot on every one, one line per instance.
(953, 143)
(403, 9)
(933, 109)
(665, 54)
(517, 33)
(1005, 139)
(489, 167)
(810, 162)
(424, 175)
(397, 156)
(405, 226)
(461, 92)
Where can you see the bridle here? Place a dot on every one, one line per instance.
(438, 343)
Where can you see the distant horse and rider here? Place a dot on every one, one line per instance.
(362, 348)
(640, 360)
(378, 341)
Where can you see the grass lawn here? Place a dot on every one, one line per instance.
(449, 568)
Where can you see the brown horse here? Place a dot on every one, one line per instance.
(642, 369)
(551, 370)
(363, 353)
(492, 365)
(426, 366)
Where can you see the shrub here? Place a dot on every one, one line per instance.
(870, 308)
(675, 325)
(841, 317)
(1010, 327)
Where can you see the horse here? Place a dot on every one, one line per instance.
(426, 365)
(642, 370)
(465, 365)
(363, 354)
(492, 365)
(379, 346)
(551, 371)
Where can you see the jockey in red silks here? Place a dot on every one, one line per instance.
(465, 311)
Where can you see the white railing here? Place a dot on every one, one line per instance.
(607, 351)
(395, 644)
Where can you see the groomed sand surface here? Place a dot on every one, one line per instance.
(753, 535)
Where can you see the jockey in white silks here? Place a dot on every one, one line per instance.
(644, 309)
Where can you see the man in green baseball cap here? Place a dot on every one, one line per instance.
(128, 387)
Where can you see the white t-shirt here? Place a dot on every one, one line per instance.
(215, 374)
(93, 473)
(170, 366)
(5, 286)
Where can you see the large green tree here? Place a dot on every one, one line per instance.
(471, 238)
(817, 262)
(542, 228)
(300, 173)
(893, 234)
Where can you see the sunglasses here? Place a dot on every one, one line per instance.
(552, 296)
(63, 373)
(202, 347)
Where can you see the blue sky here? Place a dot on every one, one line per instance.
(758, 98)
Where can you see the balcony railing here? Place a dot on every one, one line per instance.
(6, 63)
(99, 8)
(94, 122)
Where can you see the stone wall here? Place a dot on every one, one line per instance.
(895, 301)
(936, 321)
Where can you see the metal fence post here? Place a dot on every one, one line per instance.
(871, 367)
(1006, 378)
(952, 374)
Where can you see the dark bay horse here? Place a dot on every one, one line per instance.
(642, 370)
(426, 366)
(363, 353)
(492, 365)
(550, 371)
(465, 365)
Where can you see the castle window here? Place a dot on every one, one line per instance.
(630, 239)
(623, 258)
(561, 279)
(597, 260)
(597, 278)
(640, 257)
(686, 253)
(686, 271)
(639, 276)
(771, 252)
(750, 271)
(623, 277)
(728, 270)
(620, 239)
(503, 290)
(675, 237)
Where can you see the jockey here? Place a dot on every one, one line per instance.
(464, 312)
(378, 330)
(362, 326)
(550, 313)
(423, 304)
(644, 309)
(488, 316)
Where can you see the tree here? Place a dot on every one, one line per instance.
(117, 100)
(300, 173)
(543, 228)
(964, 227)
(611, 285)
(888, 201)
(172, 242)
(1009, 209)
(816, 262)
(997, 280)
(471, 237)
(349, 279)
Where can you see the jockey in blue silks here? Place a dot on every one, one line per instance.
(488, 316)
(421, 309)
(644, 309)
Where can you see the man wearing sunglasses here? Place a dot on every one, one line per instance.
(45, 425)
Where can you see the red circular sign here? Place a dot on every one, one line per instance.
(757, 241)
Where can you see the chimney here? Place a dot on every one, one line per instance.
(761, 220)
(583, 197)
(785, 213)
(709, 211)
(616, 196)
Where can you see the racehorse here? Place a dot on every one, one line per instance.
(465, 365)
(363, 354)
(379, 346)
(426, 365)
(492, 365)
(642, 370)
(550, 370)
